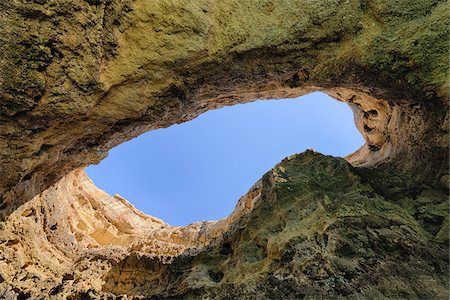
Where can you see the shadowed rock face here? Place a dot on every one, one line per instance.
(79, 77)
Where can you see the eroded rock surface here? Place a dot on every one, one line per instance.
(315, 232)
(310, 228)
(79, 77)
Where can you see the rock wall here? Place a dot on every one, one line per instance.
(79, 77)
(311, 228)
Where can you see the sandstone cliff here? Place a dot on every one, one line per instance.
(79, 77)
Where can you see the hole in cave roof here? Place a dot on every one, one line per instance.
(198, 170)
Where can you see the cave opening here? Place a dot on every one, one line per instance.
(197, 170)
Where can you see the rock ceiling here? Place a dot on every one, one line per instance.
(79, 77)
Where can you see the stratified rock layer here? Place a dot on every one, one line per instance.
(79, 77)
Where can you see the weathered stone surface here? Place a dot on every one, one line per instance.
(310, 228)
(316, 232)
(79, 77)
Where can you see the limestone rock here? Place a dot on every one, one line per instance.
(79, 77)
(309, 228)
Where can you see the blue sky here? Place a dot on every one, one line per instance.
(197, 170)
